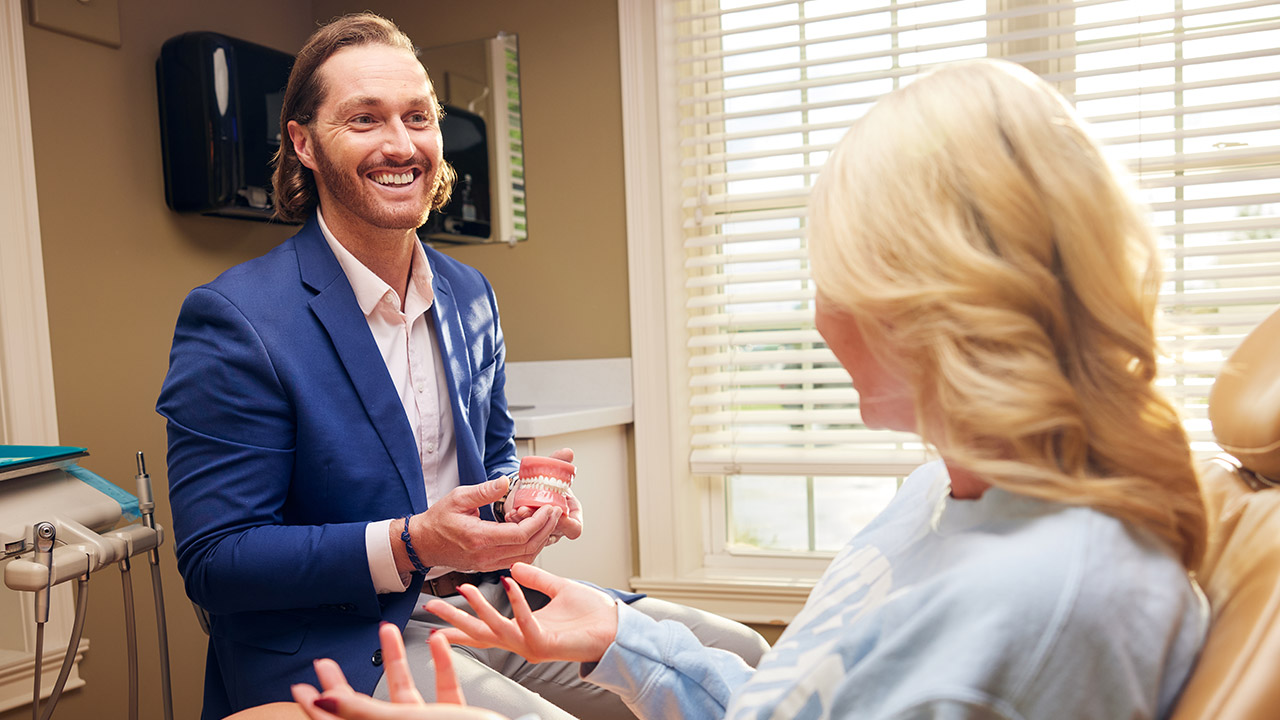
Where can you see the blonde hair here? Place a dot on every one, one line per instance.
(971, 225)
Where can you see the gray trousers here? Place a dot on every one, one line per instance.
(510, 685)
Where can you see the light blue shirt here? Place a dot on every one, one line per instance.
(1002, 607)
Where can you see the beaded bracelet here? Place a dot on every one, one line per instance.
(408, 545)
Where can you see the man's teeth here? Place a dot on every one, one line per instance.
(403, 178)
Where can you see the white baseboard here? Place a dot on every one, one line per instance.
(17, 675)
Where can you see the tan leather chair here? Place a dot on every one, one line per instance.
(1236, 674)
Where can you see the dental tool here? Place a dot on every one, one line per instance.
(146, 505)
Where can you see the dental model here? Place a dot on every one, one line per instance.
(542, 481)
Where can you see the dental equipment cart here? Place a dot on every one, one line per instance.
(59, 522)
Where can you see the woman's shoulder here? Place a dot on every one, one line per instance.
(1091, 607)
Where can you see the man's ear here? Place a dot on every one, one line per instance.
(300, 136)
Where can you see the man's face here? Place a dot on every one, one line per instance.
(375, 144)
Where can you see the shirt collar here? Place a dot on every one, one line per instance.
(369, 289)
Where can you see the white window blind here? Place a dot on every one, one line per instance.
(1185, 92)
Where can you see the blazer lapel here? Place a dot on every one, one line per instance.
(336, 308)
(454, 353)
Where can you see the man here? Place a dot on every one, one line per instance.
(338, 426)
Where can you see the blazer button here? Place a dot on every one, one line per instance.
(377, 658)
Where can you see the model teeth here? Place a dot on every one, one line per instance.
(403, 178)
(544, 481)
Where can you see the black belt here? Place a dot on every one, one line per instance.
(447, 585)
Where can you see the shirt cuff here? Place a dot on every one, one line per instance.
(617, 670)
(382, 562)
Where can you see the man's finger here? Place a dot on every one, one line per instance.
(476, 496)
(511, 538)
(520, 514)
(569, 527)
(447, 688)
(540, 539)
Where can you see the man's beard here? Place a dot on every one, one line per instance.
(351, 193)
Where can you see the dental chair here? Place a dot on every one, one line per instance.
(1235, 677)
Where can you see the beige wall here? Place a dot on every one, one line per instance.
(118, 262)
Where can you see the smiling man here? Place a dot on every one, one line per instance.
(337, 418)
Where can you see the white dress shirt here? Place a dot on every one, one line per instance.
(409, 346)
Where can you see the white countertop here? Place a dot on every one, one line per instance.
(554, 397)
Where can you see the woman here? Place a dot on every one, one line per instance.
(986, 280)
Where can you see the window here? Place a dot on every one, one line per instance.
(753, 94)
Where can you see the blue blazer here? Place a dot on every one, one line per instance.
(286, 437)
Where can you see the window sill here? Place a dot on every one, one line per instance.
(759, 599)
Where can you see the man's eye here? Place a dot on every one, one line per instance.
(420, 119)
(362, 120)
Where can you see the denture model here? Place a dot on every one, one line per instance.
(542, 481)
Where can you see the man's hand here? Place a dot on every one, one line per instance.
(570, 526)
(451, 534)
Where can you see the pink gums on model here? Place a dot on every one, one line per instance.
(542, 481)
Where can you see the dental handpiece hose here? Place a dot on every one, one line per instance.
(130, 636)
(146, 507)
(44, 534)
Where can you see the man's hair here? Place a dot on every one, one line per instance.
(987, 247)
(294, 184)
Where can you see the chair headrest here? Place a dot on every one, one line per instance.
(1244, 404)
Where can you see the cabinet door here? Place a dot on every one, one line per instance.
(603, 554)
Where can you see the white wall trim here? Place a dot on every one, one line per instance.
(658, 462)
(28, 413)
(672, 505)
(17, 676)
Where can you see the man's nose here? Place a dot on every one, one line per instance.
(397, 144)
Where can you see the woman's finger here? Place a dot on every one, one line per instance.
(466, 629)
(447, 688)
(331, 677)
(538, 579)
(305, 695)
(499, 625)
(396, 666)
(528, 624)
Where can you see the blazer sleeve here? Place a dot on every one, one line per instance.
(232, 434)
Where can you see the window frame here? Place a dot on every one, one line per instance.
(672, 506)
(681, 557)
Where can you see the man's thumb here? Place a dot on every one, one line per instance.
(480, 494)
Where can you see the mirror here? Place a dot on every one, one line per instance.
(478, 82)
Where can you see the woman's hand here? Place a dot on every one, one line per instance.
(578, 625)
(340, 701)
